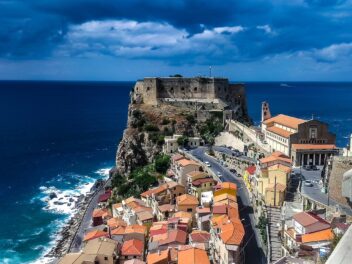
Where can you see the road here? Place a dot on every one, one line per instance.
(314, 192)
(253, 252)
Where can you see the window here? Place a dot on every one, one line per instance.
(195, 89)
(313, 131)
(189, 210)
(105, 258)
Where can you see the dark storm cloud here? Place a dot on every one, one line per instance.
(37, 28)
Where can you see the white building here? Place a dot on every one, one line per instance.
(171, 146)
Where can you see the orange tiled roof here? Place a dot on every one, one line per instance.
(200, 236)
(144, 215)
(193, 256)
(155, 191)
(232, 232)
(158, 257)
(186, 162)
(117, 205)
(101, 213)
(133, 247)
(177, 157)
(225, 196)
(166, 208)
(174, 235)
(279, 131)
(276, 156)
(313, 146)
(136, 229)
(182, 214)
(228, 185)
(95, 234)
(186, 199)
(285, 120)
(305, 219)
(323, 235)
(118, 231)
(280, 167)
(116, 222)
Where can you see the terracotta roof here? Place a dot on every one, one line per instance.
(219, 209)
(116, 222)
(172, 184)
(313, 146)
(158, 257)
(279, 187)
(194, 174)
(155, 191)
(200, 236)
(276, 156)
(280, 167)
(95, 234)
(102, 213)
(228, 185)
(232, 232)
(186, 199)
(186, 162)
(174, 235)
(251, 169)
(145, 215)
(104, 197)
(177, 157)
(141, 229)
(166, 208)
(203, 210)
(143, 209)
(133, 247)
(118, 231)
(322, 235)
(224, 196)
(307, 219)
(279, 131)
(200, 181)
(133, 199)
(193, 256)
(285, 120)
(182, 214)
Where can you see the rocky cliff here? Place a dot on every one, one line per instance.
(147, 126)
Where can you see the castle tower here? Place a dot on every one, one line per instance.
(265, 111)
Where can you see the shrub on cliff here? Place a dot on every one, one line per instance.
(162, 163)
(210, 129)
(183, 141)
(150, 128)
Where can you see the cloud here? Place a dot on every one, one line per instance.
(333, 53)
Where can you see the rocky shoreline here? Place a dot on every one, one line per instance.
(67, 234)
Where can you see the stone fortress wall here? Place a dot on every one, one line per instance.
(198, 93)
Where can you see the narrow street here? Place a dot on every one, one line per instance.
(253, 252)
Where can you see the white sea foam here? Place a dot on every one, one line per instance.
(103, 172)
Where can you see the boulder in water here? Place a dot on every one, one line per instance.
(52, 195)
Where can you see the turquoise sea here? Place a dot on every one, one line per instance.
(61, 136)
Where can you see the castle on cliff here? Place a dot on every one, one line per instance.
(205, 95)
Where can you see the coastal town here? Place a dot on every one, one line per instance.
(208, 186)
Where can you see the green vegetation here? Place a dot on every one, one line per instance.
(191, 119)
(210, 129)
(165, 121)
(157, 138)
(162, 163)
(176, 75)
(183, 141)
(140, 180)
(150, 128)
(262, 223)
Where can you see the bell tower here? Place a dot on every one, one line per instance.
(265, 111)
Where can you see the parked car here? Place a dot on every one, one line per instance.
(308, 183)
(315, 168)
(233, 171)
(207, 164)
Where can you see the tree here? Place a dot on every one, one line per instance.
(183, 141)
(162, 163)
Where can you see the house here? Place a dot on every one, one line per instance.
(307, 229)
(117, 210)
(165, 211)
(145, 217)
(130, 208)
(99, 250)
(187, 203)
(134, 261)
(225, 198)
(95, 234)
(225, 187)
(206, 199)
(193, 256)
(173, 238)
(115, 222)
(118, 234)
(159, 257)
(183, 167)
(135, 232)
(195, 175)
(100, 216)
(103, 198)
(132, 249)
(197, 187)
(171, 145)
(199, 238)
(203, 218)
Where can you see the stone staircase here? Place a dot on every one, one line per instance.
(274, 219)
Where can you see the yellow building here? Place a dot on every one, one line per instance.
(271, 192)
(247, 176)
(225, 187)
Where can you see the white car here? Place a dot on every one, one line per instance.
(207, 164)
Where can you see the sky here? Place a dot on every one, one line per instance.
(244, 40)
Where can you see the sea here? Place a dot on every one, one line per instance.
(62, 136)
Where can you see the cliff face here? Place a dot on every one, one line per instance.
(148, 123)
(146, 127)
